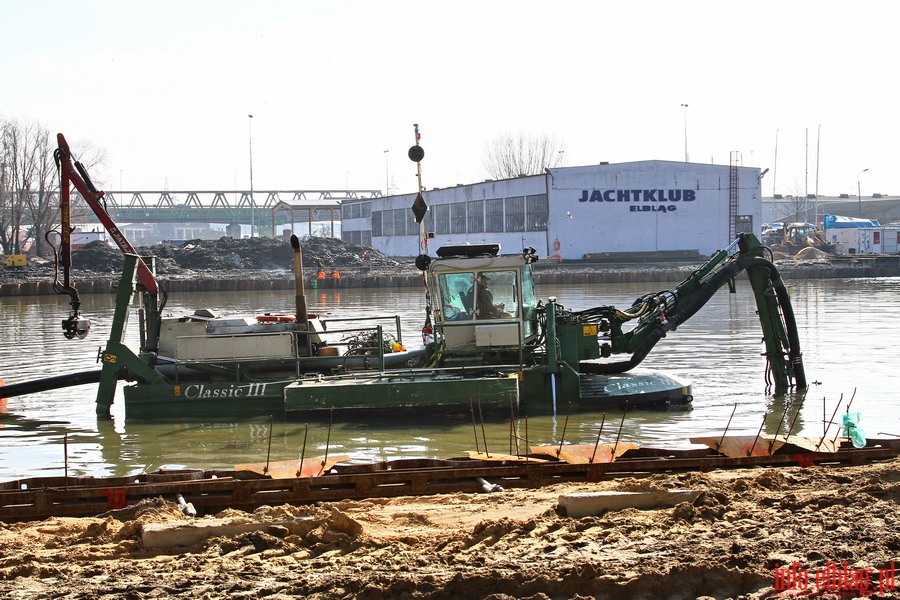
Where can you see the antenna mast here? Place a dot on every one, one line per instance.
(818, 144)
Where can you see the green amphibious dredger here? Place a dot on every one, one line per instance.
(489, 344)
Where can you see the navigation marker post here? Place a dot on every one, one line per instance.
(419, 208)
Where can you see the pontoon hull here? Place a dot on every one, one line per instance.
(406, 395)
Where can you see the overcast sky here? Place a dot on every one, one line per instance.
(165, 87)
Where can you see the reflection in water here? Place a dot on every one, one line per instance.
(848, 332)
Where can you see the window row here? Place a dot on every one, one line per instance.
(497, 215)
(356, 210)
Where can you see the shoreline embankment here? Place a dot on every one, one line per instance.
(580, 272)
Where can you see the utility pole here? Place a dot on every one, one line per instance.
(252, 202)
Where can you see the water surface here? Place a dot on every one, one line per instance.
(848, 331)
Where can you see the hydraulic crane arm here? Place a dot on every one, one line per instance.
(661, 312)
(72, 173)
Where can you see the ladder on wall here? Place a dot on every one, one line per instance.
(733, 191)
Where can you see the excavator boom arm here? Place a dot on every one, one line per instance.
(662, 312)
(73, 174)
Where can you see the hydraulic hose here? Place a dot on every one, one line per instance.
(794, 355)
(696, 303)
(50, 383)
(672, 321)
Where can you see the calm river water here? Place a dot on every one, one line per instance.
(849, 336)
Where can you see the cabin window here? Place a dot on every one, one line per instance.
(496, 295)
(457, 296)
(529, 304)
(479, 295)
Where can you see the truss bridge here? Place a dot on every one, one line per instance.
(264, 209)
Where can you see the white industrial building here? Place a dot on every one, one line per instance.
(571, 212)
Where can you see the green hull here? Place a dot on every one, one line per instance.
(415, 394)
(410, 395)
(214, 399)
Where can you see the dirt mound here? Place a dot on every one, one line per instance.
(751, 534)
(811, 253)
(99, 257)
(228, 254)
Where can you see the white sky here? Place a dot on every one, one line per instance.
(165, 87)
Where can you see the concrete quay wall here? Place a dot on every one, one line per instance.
(548, 274)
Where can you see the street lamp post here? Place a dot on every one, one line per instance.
(252, 203)
(858, 195)
(387, 176)
(685, 106)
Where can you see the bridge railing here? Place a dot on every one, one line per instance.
(265, 207)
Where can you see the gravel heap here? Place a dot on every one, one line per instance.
(225, 254)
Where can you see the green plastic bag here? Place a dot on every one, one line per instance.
(852, 430)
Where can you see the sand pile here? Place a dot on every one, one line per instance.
(737, 540)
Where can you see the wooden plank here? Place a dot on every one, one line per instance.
(290, 469)
(497, 457)
(584, 454)
(737, 446)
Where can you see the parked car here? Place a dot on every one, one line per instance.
(772, 233)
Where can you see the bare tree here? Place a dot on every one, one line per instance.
(90, 157)
(29, 194)
(797, 207)
(5, 195)
(42, 201)
(17, 172)
(511, 155)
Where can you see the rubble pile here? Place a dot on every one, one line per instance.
(229, 254)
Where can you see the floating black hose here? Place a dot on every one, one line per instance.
(49, 383)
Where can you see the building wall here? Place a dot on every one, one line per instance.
(641, 206)
(647, 206)
(440, 200)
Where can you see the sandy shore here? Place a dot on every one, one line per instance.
(837, 526)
